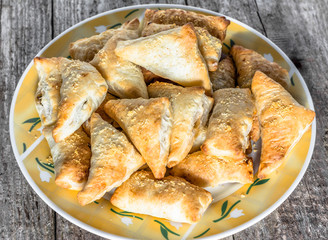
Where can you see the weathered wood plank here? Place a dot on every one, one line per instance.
(67, 13)
(23, 214)
(299, 28)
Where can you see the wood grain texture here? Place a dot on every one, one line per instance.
(23, 214)
(299, 28)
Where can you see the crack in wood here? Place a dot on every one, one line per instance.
(259, 16)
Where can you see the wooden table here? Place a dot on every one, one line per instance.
(299, 28)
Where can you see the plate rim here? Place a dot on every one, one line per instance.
(101, 233)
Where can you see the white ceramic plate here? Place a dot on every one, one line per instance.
(237, 208)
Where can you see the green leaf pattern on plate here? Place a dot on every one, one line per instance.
(165, 230)
(124, 213)
(202, 233)
(35, 122)
(115, 25)
(133, 11)
(232, 42)
(257, 182)
(224, 207)
(224, 215)
(46, 166)
(292, 81)
(164, 233)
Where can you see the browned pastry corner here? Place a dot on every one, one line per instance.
(86, 48)
(283, 122)
(144, 194)
(215, 25)
(248, 62)
(148, 123)
(152, 28)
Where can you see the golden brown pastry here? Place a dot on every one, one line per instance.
(283, 122)
(215, 25)
(248, 62)
(113, 160)
(171, 54)
(209, 46)
(101, 111)
(209, 171)
(172, 198)
(82, 91)
(201, 128)
(47, 95)
(148, 124)
(148, 75)
(230, 124)
(124, 78)
(224, 76)
(86, 48)
(255, 133)
(71, 158)
(187, 109)
(199, 139)
(152, 28)
(208, 103)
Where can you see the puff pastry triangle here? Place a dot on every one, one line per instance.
(86, 48)
(187, 109)
(248, 62)
(230, 124)
(113, 160)
(171, 54)
(82, 91)
(283, 122)
(148, 123)
(208, 171)
(144, 194)
(209, 46)
(215, 25)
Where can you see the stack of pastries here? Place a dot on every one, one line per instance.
(153, 110)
